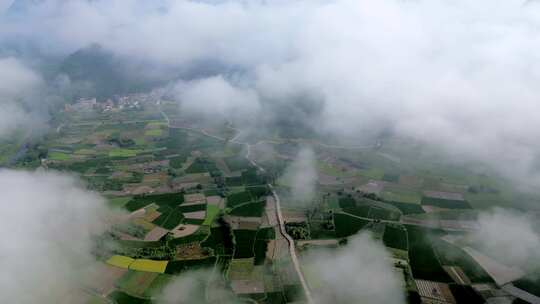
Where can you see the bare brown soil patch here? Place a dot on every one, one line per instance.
(184, 230)
(190, 251)
(195, 197)
(155, 234)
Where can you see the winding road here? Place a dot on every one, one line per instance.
(290, 241)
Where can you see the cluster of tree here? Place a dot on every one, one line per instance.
(33, 153)
(129, 229)
(482, 189)
(109, 244)
(120, 141)
(298, 231)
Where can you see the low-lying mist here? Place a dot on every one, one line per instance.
(19, 90)
(510, 237)
(359, 272)
(301, 177)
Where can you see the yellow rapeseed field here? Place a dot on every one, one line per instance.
(120, 261)
(149, 265)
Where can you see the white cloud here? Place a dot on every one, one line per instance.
(48, 221)
(193, 287)
(18, 85)
(360, 272)
(509, 237)
(215, 97)
(460, 76)
(301, 176)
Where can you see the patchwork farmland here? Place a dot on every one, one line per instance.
(196, 199)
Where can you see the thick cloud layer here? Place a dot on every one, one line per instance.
(360, 272)
(18, 86)
(509, 237)
(458, 75)
(48, 221)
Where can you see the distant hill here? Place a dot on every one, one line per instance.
(95, 72)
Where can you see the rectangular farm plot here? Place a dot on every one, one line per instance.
(212, 212)
(198, 215)
(167, 199)
(241, 269)
(215, 201)
(254, 209)
(347, 225)
(120, 261)
(423, 260)
(457, 258)
(155, 234)
(120, 152)
(183, 230)
(176, 267)
(149, 265)
(236, 199)
(235, 163)
(169, 218)
(136, 282)
(395, 237)
(244, 242)
(195, 197)
(447, 200)
(157, 285)
(187, 208)
(435, 291)
(401, 196)
(106, 277)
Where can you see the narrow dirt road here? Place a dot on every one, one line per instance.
(292, 249)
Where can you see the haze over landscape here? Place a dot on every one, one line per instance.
(270, 151)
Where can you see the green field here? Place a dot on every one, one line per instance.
(254, 209)
(243, 243)
(328, 169)
(167, 199)
(395, 236)
(220, 240)
(451, 255)
(402, 197)
(169, 218)
(177, 267)
(120, 297)
(157, 285)
(530, 283)
(407, 208)
(236, 199)
(211, 213)
(119, 202)
(136, 282)
(59, 156)
(153, 132)
(120, 152)
(347, 225)
(445, 203)
(423, 260)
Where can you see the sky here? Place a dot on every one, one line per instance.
(460, 76)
